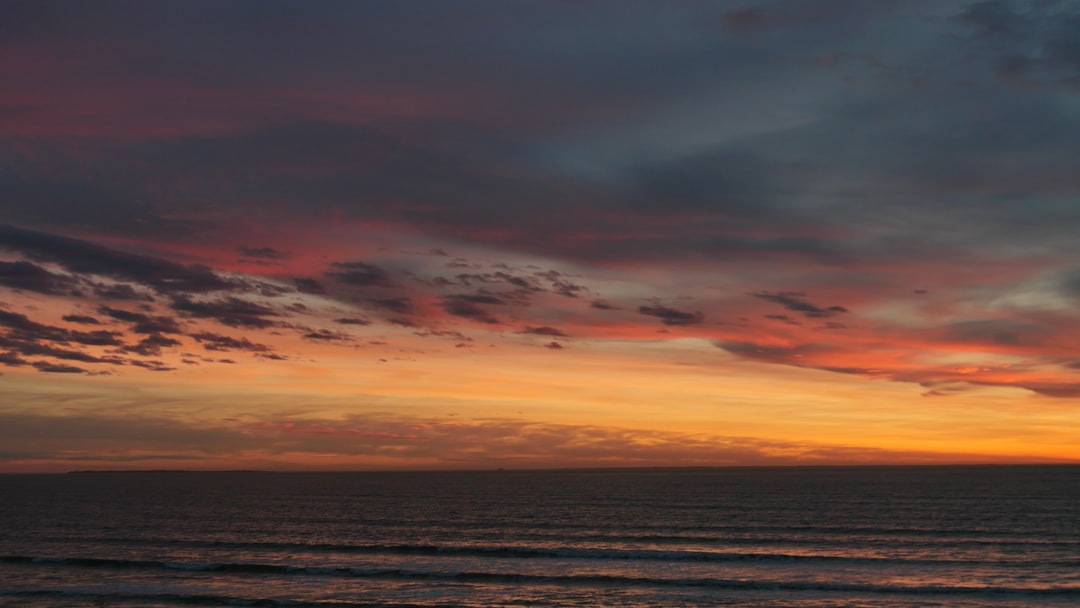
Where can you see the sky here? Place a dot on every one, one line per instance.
(522, 234)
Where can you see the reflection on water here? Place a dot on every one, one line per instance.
(952, 536)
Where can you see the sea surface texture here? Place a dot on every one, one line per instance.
(959, 537)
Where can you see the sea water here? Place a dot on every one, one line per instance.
(969, 537)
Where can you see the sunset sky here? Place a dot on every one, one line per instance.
(520, 234)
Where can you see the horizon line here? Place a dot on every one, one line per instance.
(566, 469)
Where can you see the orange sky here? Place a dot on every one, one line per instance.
(618, 390)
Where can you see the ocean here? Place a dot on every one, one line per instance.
(969, 537)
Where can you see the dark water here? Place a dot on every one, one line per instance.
(957, 537)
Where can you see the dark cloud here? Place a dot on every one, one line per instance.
(1032, 43)
(264, 253)
(760, 351)
(544, 331)
(263, 288)
(757, 21)
(120, 291)
(1061, 391)
(57, 368)
(12, 359)
(83, 257)
(157, 325)
(939, 388)
(554, 346)
(671, 316)
(46, 350)
(352, 321)
(469, 306)
(941, 380)
(457, 183)
(784, 318)
(123, 315)
(218, 342)
(58, 192)
(327, 335)
(309, 285)
(83, 319)
(326, 165)
(807, 355)
(729, 183)
(400, 305)
(152, 365)
(361, 274)
(373, 172)
(796, 301)
(466, 200)
(467, 279)
(96, 338)
(551, 281)
(31, 277)
(468, 310)
(443, 333)
(230, 311)
(999, 332)
(602, 305)
(152, 345)
(21, 327)
(479, 298)
(142, 323)
(561, 285)
(1068, 283)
